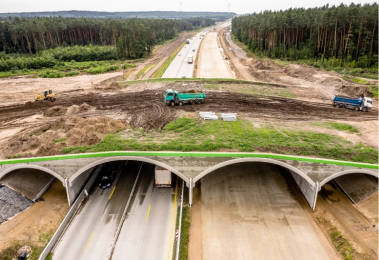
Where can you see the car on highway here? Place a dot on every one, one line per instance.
(107, 179)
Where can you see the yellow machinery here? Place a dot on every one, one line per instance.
(47, 95)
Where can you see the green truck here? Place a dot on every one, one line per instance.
(173, 98)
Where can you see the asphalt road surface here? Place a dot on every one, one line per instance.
(91, 233)
(248, 211)
(179, 67)
(146, 232)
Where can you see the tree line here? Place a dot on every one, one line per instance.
(133, 37)
(347, 33)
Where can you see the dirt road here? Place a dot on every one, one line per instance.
(247, 211)
(22, 89)
(211, 62)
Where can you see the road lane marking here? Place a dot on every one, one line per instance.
(89, 241)
(110, 195)
(173, 218)
(148, 213)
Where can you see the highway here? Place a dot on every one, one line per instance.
(148, 232)
(179, 67)
(148, 229)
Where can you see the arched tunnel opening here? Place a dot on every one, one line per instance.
(348, 205)
(259, 205)
(22, 187)
(129, 201)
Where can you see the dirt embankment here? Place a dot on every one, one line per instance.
(50, 138)
(318, 84)
(334, 211)
(33, 226)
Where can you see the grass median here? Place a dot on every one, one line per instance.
(161, 70)
(192, 134)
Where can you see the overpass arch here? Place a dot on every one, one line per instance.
(126, 158)
(347, 172)
(8, 170)
(260, 160)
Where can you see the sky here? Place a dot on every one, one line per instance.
(237, 6)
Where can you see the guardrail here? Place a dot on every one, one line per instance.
(66, 221)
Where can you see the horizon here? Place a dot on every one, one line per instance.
(238, 7)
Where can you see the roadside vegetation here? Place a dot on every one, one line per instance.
(159, 73)
(252, 89)
(340, 126)
(342, 38)
(191, 134)
(57, 47)
(63, 62)
(37, 247)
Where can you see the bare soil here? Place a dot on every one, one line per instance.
(319, 85)
(247, 211)
(41, 218)
(335, 210)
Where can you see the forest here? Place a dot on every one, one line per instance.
(39, 43)
(137, 36)
(342, 35)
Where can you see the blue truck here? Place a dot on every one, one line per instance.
(173, 98)
(359, 104)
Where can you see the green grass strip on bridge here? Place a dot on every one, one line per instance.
(190, 154)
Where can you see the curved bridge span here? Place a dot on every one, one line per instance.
(73, 170)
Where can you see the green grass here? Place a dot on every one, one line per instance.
(342, 127)
(184, 240)
(342, 245)
(161, 70)
(70, 68)
(60, 140)
(252, 89)
(373, 91)
(11, 252)
(144, 70)
(190, 134)
(102, 69)
(201, 80)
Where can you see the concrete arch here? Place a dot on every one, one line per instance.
(346, 172)
(126, 158)
(31, 166)
(263, 160)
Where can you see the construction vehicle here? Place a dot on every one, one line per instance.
(173, 98)
(47, 95)
(359, 104)
(162, 177)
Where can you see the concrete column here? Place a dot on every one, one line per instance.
(190, 191)
(315, 195)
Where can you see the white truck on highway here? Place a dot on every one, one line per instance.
(162, 177)
(190, 59)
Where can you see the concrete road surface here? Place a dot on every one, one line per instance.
(179, 66)
(148, 232)
(91, 233)
(211, 62)
(248, 211)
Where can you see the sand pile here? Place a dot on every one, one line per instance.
(65, 132)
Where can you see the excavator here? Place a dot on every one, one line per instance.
(46, 95)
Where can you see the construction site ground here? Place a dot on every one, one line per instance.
(89, 107)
